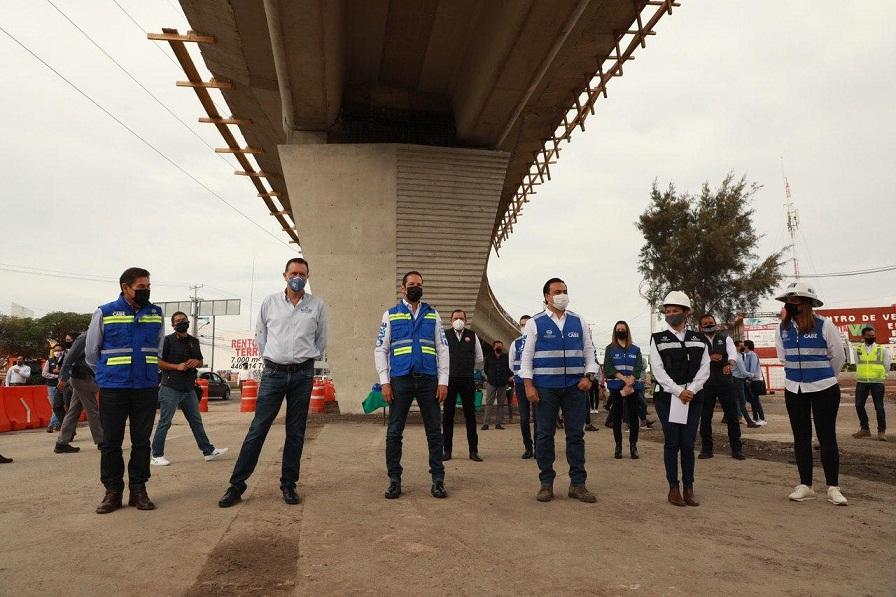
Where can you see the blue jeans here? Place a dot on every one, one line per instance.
(51, 396)
(169, 401)
(525, 416)
(574, 404)
(404, 389)
(295, 387)
(679, 439)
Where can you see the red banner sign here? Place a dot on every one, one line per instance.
(851, 321)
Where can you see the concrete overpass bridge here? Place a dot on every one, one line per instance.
(392, 135)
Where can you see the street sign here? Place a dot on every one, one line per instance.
(219, 307)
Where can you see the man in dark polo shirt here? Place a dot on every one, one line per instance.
(465, 356)
(179, 359)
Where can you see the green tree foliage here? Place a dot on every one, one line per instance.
(706, 247)
(29, 337)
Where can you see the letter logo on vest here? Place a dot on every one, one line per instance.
(572, 335)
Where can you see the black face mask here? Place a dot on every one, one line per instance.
(621, 335)
(414, 293)
(869, 340)
(141, 297)
(68, 344)
(791, 309)
(181, 326)
(499, 350)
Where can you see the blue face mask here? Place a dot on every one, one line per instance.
(297, 284)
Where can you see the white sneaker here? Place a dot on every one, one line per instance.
(215, 454)
(762, 422)
(159, 461)
(835, 497)
(803, 493)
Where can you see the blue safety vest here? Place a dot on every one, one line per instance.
(518, 345)
(413, 347)
(559, 360)
(624, 360)
(129, 354)
(806, 354)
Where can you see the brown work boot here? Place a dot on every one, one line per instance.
(689, 497)
(140, 499)
(882, 436)
(675, 496)
(861, 433)
(111, 502)
(545, 494)
(581, 493)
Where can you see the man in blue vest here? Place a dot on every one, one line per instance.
(557, 368)
(516, 353)
(412, 361)
(122, 347)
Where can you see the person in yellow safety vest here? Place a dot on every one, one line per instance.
(872, 366)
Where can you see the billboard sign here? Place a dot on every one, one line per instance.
(851, 321)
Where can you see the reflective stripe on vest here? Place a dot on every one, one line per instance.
(413, 348)
(806, 354)
(558, 360)
(870, 365)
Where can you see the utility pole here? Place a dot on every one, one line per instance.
(195, 310)
(793, 222)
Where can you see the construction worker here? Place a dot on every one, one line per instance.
(122, 348)
(680, 363)
(558, 367)
(412, 361)
(720, 387)
(872, 366)
(526, 414)
(811, 350)
(465, 353)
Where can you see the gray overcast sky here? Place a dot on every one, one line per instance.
(724, 85)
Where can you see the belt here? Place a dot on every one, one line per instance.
(291, 368)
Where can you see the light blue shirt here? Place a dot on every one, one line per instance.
(289, 334)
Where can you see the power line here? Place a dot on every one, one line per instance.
(858, 272)
(144, 141)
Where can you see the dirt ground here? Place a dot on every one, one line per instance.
(489, 537)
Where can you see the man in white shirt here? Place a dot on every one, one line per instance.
(412, 361)
(18, 374)
(466, 356)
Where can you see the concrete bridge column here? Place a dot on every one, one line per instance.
(371, 212)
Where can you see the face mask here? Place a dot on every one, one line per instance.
(675, 320)
(297, 284)
(58, 355)
(710, 328)
(68, 344)
(415, 293)
(791, 309)
(621, 335)
(499, 350)
(870, 341)
(560, 301)
(181, 326)
(141, 297)
(458, 325)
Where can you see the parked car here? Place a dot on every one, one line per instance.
(217, 386)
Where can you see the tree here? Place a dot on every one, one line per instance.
(706, 247)
(29, 337)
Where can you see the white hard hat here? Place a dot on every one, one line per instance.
(800, 289)
(677, 297)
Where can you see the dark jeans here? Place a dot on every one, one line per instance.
(755, 402)
(724, 393)
(466, 388)
(625, 406)
(679, 439)
(295, 387)
(58, 405)
(117, 406)
(877, 396)
(509, 392)
(404, 390)
(574, 404)
(822, 407)
(169, 401)
(527, 416)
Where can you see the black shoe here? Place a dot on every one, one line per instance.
(394, 490)
(590, 427)
(527, 454)
(446, 456)
(438, 490)
(633, 450)
(704, 455)
(484, 427)
(66, 449)
(474, 456)
(290, 496)
(231, 497)
(499, 426)
(618, 453)
(738, 455)
(4, 459)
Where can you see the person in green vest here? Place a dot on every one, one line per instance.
(872, 366)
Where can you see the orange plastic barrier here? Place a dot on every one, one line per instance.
(329, 390)
(203, 402)
(18, 403)
(5, 424)
(318, 397)
(42, 407)
(248, 396)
